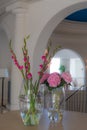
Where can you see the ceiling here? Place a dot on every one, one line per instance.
(4, 3)
(80, 16)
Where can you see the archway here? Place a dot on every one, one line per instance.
(48, 29)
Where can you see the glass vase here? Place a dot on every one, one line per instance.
(55, 104)
(31, 106)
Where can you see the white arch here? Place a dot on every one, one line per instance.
(50, 26)
(68, 53)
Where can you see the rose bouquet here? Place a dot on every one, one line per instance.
(55, 84)
(56, 80)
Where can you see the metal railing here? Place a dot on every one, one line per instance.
(77, 100)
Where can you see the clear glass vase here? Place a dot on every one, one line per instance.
(55, 104)
(31, 106)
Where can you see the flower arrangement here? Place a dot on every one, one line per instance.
(30, 117)
(56, 80)
(54, 92)
(25, 68)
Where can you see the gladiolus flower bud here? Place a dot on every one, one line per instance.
(21, 67)
(44, 58)
(41, 66)
(25, 59)
(29, 76)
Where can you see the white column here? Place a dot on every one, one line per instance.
(17, 43)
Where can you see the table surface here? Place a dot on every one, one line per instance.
(71, 121)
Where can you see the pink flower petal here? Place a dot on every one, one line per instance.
(41, 66)
(44, 77)
(66, 76)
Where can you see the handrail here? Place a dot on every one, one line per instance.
(73, 93)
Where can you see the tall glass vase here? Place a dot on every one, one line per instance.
(31, 105)
(55, 104)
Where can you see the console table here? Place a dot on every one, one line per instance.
(71, 121)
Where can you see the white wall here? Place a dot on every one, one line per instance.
(6, 34)
(5, 60)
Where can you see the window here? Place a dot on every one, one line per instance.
(55, 64)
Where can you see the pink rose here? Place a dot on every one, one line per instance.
(44, 77)
(54, 79)
(66, 76)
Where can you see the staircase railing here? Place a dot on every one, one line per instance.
(77, 100)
